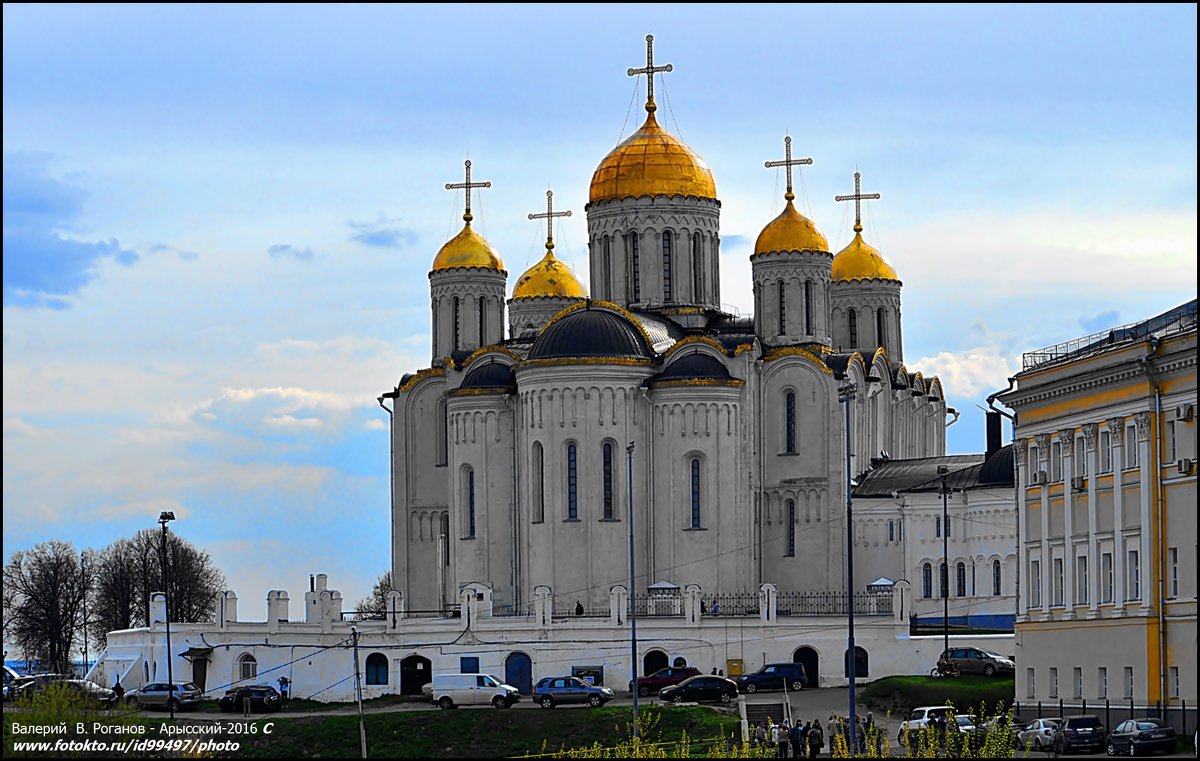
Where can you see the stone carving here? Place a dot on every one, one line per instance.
(1142, 421)
(1066, 437)
(1090, 432)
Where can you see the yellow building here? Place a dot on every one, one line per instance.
(1105, 439)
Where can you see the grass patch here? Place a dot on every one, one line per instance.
(481, 732)
(968, 692)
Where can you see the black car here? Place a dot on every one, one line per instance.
(774, 676)
(1079, 733)
(261, 697)
(1140, 736)
(700, 689)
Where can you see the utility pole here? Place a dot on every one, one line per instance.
(943, 471)
(362, 727)
(633, 662)
(846, 394)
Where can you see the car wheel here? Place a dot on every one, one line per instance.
(499, 702)
(726, 697)
(751, 688)
(644, 691)
(594, 701)
(1132, 749)
(1109, 749)
(989, 670)
(797, 686)
(173, 704)
(546, 701)
(677, 698)
(445, 703)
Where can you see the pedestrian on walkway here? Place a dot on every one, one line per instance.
(816, 739)
(796, 739)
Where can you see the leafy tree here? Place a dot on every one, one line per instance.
(376, 604)
(45, 591)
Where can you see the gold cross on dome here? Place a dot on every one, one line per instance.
(649, 71)
(787, 162)
(549, 217)
(467, 186)
(858, 198)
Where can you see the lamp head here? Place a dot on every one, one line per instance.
(165, 516)
(943, 470)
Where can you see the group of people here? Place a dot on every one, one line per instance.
(799, 740)
(865, 730)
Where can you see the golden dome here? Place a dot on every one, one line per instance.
(652, 162)
(790, 231)
(467, 249)
(860, 261)
(549, 277)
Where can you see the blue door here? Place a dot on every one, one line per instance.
(518, 672)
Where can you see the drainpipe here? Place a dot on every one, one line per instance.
(991, 400)
(392, 480)
(1156, 460)
(1018, 496)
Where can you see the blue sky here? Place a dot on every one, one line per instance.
(218, 219)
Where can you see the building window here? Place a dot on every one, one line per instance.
(572, 485)
(248, 667)
(1105, 451)
(470, 504)
(606, 275)
(852, 316)
(808, 307)
(696, 493)
(782, 308)
(1080, 464)
(1106, 575)
(1131, 446)
(1081, 579)
(1029, 683)
(996, 577)
(1172, 572)
(1056, 469)
(881, 326)
(539, 483)
(943, 581)
(1129, 681)
(791, 528)
(1173, 681)
(443, 426)
(377, 669)
(891, 531)
(608, 481)
(789, 412)
(1077, 682)
(1032, 463)
(1102, 680)
(1035, 586)
(697, 269)
(927, 581)
(1170, 440)
(666, 259)
(960, 585)
(937, 523)
(445, 523)
(635, 266)
(1134, 590)
(1058, 581)
(949, 527)
(482, 304)
(457, 324)
(1053, 682)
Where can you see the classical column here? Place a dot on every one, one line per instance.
(1020, 450)
(1090, 433)
(1146, 468)
(1066, 443)
(1116, 434)
(1043, 443)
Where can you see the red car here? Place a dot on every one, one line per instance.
(650, 685)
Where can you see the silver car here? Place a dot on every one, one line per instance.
(162, 695)
(1038, 734)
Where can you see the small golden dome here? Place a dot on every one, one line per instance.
(860, 261)
(549, 277)
(467, 249)
(790, 231)
(652, 162)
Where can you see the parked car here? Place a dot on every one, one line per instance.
(453, 690)
(972, 660)
(1079, 733)
(29, 685)
(163, 695)
(774, 676)
(560, 690)
(700, 689)
(1038, 734)
(87, 689)
(921, 718)
(663, 678)
(261, 697)
(1140, 736)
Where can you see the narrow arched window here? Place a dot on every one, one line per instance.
(470, 504)
(666, 259)
(572, 485)
(808, 307)
(445, 523)
(696, 493)
(443, 429)
(927, 581)
(996, 577)
(791, 528)
(635, 276)
(457, 324)
(782, 309)
(437, 340)
(789, 413)
(697, 269)
(539, 483)
(482, 304)
(852, 317)
(943, 581)
(891, 531)
(608, 480)
(960, 586)
(881, 326)
(607, 274)
(377, 669)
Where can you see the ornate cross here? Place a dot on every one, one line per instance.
(858, 198)
(649, 72)
(549, 217)
(467, 186)
(787, 162)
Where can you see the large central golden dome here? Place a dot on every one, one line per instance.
(652, 162)
(549, 277)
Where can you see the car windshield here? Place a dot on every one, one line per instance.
(964, 721)
(990, 654)
(1083, 721)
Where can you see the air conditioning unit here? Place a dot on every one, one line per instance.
(1184, 465)
(1078, 483)
(1185, 412)
(1037, 478)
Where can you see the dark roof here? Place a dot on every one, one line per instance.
(492, 375)
(838, 363)
(919, 474)
(998, 470)
(592, 333)
(663, 332)
(696, 365)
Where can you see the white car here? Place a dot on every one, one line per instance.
(1038, 734)
(920, 718)
(453, 690)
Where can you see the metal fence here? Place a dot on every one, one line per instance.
(658, 605)
(1181, 716)
(1175, 321)
(832, 604)
(730, 604)
(579, 611)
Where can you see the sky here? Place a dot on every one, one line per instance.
(218, 220)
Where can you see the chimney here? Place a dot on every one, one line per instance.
(993, 432)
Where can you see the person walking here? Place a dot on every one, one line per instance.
(118, 690)
(796, 738)
(773, 735)
(816, 739)
(785, 730)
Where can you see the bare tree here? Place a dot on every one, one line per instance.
(45, 589)
(115, 588)
(376, 604)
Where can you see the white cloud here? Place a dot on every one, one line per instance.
(967, 373)
(18, 427)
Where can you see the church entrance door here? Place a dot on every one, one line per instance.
(653, 661)
(415, 673)
(518, 672)
(200, 671)
(812, 664)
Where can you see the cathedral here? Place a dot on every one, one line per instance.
(522, 453)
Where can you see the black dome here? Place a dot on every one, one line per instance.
(590, 333)
(693, 366)
(998, 469)
(492, 375)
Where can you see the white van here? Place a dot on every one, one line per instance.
(453, 690)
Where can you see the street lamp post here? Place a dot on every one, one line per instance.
(632, 600)
(163, 518)
(846, 394)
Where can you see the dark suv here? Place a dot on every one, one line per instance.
(1079, 733)
(774, 676)
(261, 697)
(667, 677)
